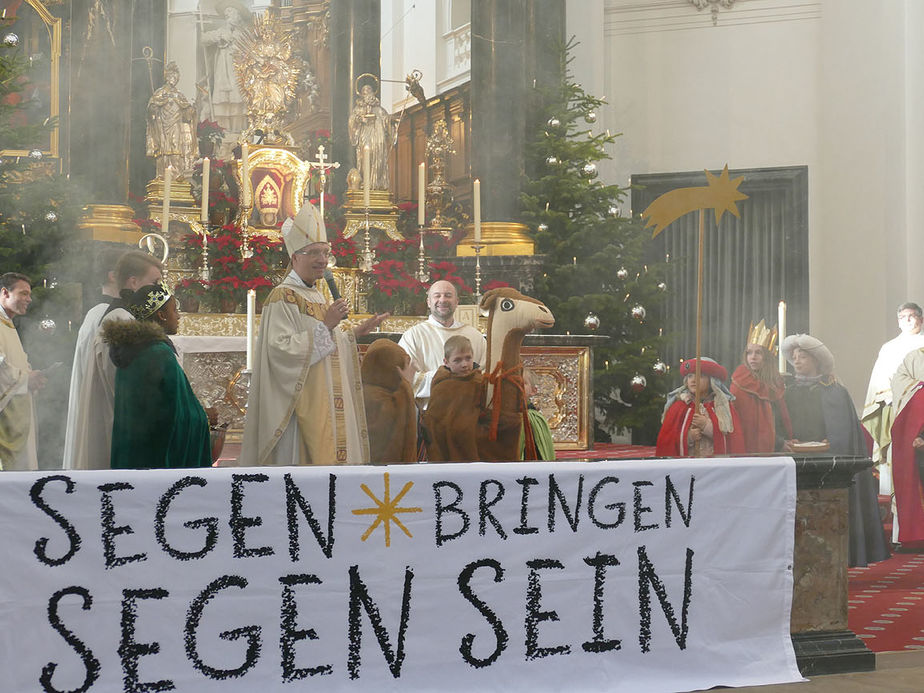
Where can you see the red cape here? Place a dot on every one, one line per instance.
(905, 476)
(754, 402)
(672, 438)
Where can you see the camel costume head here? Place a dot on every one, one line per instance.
(391, 414)
(474, 419)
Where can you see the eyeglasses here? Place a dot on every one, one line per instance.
(314, 252)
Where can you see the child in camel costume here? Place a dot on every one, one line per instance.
(479, 417)
(391, 414)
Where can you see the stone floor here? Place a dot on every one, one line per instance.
(896, 672)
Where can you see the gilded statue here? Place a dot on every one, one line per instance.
(269, 74)
(171, 127)
(371, 125)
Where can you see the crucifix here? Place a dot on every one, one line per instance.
(323, 165)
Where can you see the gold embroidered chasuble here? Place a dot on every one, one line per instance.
(299, 411)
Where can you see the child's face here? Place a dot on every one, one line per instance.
(705, 386)
(459, 362)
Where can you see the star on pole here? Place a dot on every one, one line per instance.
(387, 510)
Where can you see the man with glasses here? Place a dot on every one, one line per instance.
(878, 410)
(306, 399)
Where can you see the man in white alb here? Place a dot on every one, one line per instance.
(424, 341)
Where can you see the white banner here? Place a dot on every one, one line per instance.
(666, 575)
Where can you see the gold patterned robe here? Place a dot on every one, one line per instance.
(306, 400)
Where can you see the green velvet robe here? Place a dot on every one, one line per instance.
(158, 421)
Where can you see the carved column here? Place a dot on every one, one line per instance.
(355, 34)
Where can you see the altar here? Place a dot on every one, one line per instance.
(212, 351)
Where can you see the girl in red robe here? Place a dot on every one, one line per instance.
(758, 391)
(715, 427)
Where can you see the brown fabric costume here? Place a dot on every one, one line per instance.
(391, 415)
(451, 420)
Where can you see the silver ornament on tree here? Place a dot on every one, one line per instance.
(551, 160)
(589, 170)
(622, 273)
(638, 312)
(51, 217)
(660, 367)
(662, 286)
(592, 322)
(590, 117)
(542, 227)
(638, 383)
(554, 123)
(11, 40)
(36, 155)
(47, 326)
(613, 211)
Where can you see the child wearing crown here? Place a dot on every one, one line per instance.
(758, 390)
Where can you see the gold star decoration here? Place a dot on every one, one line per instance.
(720, 194)
(387, 510)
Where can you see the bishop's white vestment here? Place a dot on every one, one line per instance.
(306, 400)
(424, 343)
(17, 416)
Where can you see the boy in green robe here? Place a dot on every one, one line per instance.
(158, 421)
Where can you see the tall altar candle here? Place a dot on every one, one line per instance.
(367, 175)
(251, 307)
(165, 214)
(421, 194)
(245, 175)
(206, 172)
(476, 206)
(781, 333)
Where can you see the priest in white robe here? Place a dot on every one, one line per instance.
(90, 414)
(878, 410)
(306, 400)
(424, 341)
(17, 380)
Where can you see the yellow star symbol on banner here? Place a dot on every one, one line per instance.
(386, 511)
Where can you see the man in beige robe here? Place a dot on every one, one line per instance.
(306, 401)
(17, 380)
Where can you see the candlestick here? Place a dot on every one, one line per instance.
(422, 274)
(206, 172)
(251, 306)
(476, 205)
(165, 214)
(477, 248)
(421, 194)
(367, 175)
(781, 333)
(245, 175)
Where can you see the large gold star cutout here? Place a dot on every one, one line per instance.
(387, 510)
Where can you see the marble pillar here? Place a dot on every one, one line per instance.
(355, 36)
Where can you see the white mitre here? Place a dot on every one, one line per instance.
(306, 228)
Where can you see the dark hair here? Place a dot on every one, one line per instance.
(134, 263)
(106, 262)
(910, 305)
(10, 279)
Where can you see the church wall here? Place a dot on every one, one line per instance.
(779, 83)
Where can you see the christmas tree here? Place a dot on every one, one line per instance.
(598, 277)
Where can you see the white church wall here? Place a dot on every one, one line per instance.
(779, 83)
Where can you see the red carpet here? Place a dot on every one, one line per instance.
(886, 603)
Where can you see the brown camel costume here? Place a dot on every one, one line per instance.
(391, 415)
(479, 417)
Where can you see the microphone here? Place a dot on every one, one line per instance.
(331, 284)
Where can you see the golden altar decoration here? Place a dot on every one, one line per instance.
(278, 180)
(498, 238)
(383, 214)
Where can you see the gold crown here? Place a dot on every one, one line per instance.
(761, 335)
(154, 300)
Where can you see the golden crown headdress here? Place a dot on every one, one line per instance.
(154, 299)
(761, 335)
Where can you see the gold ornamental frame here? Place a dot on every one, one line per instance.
(53, 28)
(296, 175)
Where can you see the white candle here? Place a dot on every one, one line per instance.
(781, 333)
(251, 306)
(245, 175)
(476, 206)
(165, 214)
(206, 172)
(367, 176)
(421, 194)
